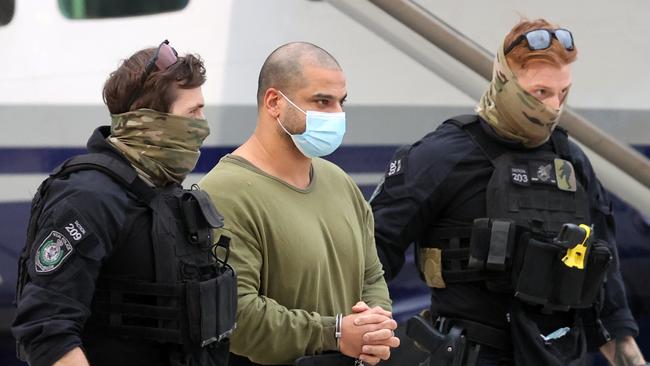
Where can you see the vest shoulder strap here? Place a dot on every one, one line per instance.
(560, 141)
(463, 120)
(470, 124)
(119, 170)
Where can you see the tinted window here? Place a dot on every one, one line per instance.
(6, 11)
(92, 9)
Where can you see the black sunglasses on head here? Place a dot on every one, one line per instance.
(540, 39)
(164, 57)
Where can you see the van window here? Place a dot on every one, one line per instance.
(93, 9)
(7, 8)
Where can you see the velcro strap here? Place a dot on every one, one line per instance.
(479, 243)
(455, 254)
(500, 238)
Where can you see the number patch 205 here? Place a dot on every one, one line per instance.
(519, 175)
(74, 233)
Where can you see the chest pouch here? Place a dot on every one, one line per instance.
(212, 307)
(562, 273)
(193, 300)
(200, 216)
(491, 244)
(211, 289)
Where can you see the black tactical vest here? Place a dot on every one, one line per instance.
(530, 196)
(192, 302)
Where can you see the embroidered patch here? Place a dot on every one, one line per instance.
(519, 175)
(76, 230)
(52, 252)
(396, 171)
(542, 172)
(566, 175)
(395, 167)
(70, 224)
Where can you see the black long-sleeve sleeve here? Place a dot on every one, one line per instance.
(416, 191)
(615, 313)
(81, 219)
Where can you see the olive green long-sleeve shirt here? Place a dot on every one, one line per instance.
(301, 257)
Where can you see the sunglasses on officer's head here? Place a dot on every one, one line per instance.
(164, 57)
(540, 39)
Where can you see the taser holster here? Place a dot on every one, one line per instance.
(563, 273)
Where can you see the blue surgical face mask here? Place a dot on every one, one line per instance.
(323, 132)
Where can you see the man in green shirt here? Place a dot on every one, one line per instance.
(302, 233)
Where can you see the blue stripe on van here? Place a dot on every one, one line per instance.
(353, 159)
(34, 160)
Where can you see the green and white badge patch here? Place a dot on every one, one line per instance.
(566, 175)
(52, 252)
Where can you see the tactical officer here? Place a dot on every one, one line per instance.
(514, 232)
(118, 268)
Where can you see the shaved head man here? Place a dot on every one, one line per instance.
(283, 69)
(309, 279)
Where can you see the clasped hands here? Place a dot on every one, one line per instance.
(367, 334)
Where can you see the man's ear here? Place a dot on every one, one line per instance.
(272, 102)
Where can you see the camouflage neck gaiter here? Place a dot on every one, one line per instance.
(162, 147)
(513, 112)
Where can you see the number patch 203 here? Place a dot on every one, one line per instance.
(519, 175)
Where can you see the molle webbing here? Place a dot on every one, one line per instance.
(468, 250)
(131, 308)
